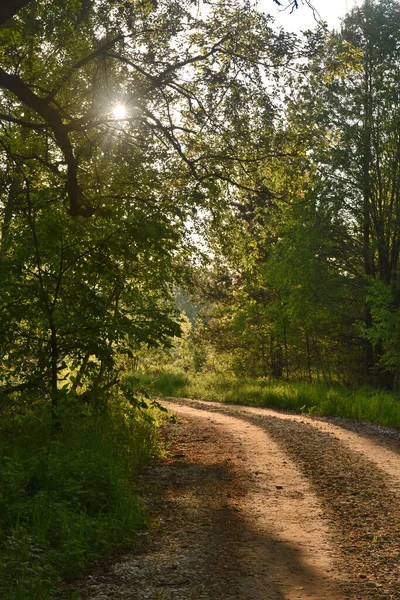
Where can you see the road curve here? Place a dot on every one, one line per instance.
(290, 553)
(254, 504)
(386, 459)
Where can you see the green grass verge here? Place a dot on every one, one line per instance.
(363, 404)
(69, 498)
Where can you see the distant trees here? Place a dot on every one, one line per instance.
(373, 31)
(360, 113)
(297, 191)
(313, 260)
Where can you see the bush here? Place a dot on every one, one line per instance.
(69, 498)
(167, 383)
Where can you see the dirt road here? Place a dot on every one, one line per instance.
(258, 505)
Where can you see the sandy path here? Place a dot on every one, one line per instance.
(259, 505)
(282, 513)
(388, 460)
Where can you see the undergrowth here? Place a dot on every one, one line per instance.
(362, 404)
(67, 498)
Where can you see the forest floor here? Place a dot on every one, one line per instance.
(259, 505)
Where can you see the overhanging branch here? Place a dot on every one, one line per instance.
(22, 91)
(9, 8)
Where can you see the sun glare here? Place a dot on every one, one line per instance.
(119, 111)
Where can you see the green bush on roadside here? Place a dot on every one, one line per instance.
(68, 498)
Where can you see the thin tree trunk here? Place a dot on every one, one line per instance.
(54, 378)
(81, 372)
(286, 353)
(368, 348)
(8, 214)
(308, 358)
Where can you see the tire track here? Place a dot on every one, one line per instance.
(386, 459)
(356, 488)
(290, 544)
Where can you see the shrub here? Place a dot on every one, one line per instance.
(69, 498)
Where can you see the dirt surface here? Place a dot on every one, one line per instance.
(259, 505)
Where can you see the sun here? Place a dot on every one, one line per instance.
(119, 111)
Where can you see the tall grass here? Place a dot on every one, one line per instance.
(69, 498)
(363, 404)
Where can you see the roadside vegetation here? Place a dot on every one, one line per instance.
(361, 404)
(68, 496)
(95, 196)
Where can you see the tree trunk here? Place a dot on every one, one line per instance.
(286, 353)
(56, 425)
(308, 358)
(81, 372)
(368, 270)
(8, 214)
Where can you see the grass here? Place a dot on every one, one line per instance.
(69, 498)
(363, 404)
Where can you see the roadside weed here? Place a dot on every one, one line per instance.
(69, 498)
(363, 404)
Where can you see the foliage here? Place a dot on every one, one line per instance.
(64, 68)
(70, 498)
(283, 304)
(94, 204)
(385, 329)
(362, 404)
(353, 155)
(311, 252)
(72, 301)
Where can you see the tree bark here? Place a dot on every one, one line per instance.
(286, 353)
(8, 214)
(22, 91)
(308, 358)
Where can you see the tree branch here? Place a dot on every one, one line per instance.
(9, 8)
(26, 124)
(22, 91)
(101, 50)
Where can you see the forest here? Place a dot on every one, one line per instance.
(186, 188)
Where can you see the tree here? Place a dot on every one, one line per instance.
(79, 292)
(289, 303)
(79, 295)
(138, 54)
(373, 30)
(10, 9)
(370, 130)
(352, 160)
(14, 6)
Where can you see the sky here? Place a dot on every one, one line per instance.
(330, 11)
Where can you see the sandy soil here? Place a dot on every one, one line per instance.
(259, 505)
(380, 445)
